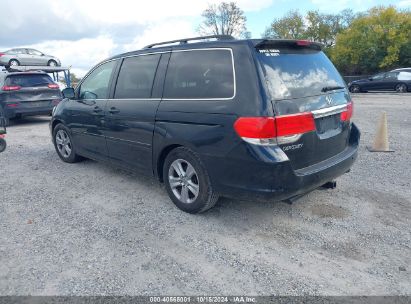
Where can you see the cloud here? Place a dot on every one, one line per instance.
(404, 4)
(82, 54)
(338, 5)
(83, 32)
(162, 31)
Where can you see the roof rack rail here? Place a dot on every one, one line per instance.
(185, 40)
(36, 68)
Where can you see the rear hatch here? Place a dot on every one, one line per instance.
(299, 78)
(31, 90)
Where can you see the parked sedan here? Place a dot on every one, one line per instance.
(397, 80)
(24, 56)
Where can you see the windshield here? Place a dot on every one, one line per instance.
(298, 73)
(29, 80)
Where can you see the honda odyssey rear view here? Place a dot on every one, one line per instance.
(214, 116)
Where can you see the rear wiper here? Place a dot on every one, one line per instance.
(326, 89)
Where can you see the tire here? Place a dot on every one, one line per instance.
(183, 172)
(3, 145)
(355, 88)
(52, 63)
(63, 143)
(14, 62)
(401, 88)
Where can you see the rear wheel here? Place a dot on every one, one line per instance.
(401, 88)
(14, 62)
(355, 88)
(187, 181)
(52, 63)
(64, 144)
(3, 144)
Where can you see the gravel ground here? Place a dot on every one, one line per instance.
(88, 228)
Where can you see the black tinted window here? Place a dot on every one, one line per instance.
(29, 80)
(136, 77)
(200, 74)
(391, 75)
(95, 86)
(294, 73)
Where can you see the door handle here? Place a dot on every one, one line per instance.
(97, 111)
(114, 110)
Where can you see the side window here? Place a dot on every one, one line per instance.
(34, 52)
(404, 75)
(378, 76)
(95, 86)
(136, 77)
(18, 51)
(200, 74)
(391, 75)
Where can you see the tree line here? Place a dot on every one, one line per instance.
(357, 43)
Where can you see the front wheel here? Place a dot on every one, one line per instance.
(52, 63)
(401, 88)
(63, 143)
(187, 181)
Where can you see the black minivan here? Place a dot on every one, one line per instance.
(245, 119)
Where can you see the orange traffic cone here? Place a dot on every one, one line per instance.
(381, 138)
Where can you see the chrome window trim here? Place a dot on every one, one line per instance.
(165, 52)
(329, 111)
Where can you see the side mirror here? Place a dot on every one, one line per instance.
(68, 93)
(88, 95)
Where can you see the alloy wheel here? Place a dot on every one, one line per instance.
(401, 88)
(183, 180)
(63, 143)
(355, 89)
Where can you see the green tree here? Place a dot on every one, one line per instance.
(378, 40)
(73, 78)
(291, 26)
(325, 27)
(314, 26)
(224, 19)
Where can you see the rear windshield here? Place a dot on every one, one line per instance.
(29, 80)
(294, 73)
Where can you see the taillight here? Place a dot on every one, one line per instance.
(2, 54)
(274, 130)
(53, 86)
(303, 42)
(347, 114)
(12, 105)
(11, 88)
(295, 124)
(255, 127)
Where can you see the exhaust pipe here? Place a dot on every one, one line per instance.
(330, 185)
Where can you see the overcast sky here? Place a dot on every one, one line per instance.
(83, 32)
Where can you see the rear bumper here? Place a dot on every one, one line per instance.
(273, 178)
(12, 112)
